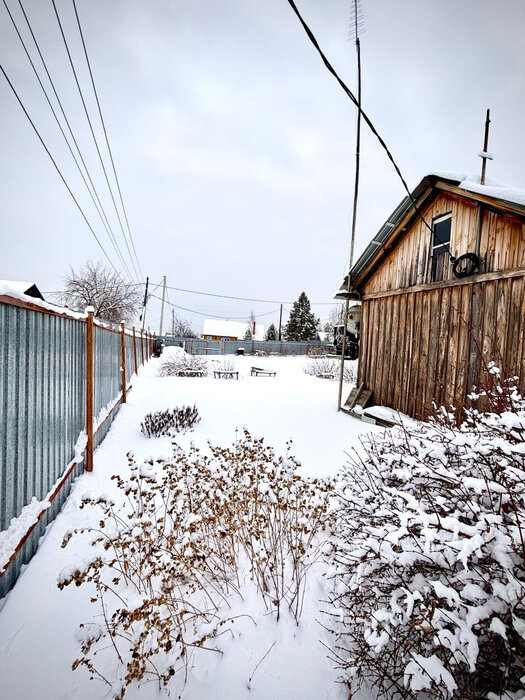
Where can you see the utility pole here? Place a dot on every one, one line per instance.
(162, 304)
(144, 304)
(173, 322)
(280, 321)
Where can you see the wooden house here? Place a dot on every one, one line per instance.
(442, 289)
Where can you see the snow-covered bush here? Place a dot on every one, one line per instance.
(328, 368)
(429, 586)
(170, 422)
(183, 365)
(195, 532)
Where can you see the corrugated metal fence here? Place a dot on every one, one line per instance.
(197, 346)
(43, 408)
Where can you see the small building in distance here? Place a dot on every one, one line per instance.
(216, 329)
(443, 297)
(28, 288)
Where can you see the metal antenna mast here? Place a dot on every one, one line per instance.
(356, 25)
(484, 155)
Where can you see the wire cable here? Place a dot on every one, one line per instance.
(107, 140)
(94, 197)
(259, 301)
(367, 119)
(56, 167)
(81, 94)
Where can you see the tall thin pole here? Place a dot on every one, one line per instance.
(485, 146)
(144, 305)
(354, 207)
(280, 321)
(173, 322)
(162, 304)
(90, 376)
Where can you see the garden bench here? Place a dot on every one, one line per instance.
(189, 372)
(225, 374)
(256, 371)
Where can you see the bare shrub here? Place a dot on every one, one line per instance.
(170, 422)
(328, 368)
(167, 563)
(184, 366)
(429, 593)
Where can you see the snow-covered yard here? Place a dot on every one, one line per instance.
(263, 658)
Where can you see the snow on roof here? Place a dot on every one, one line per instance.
(491, 188)
(16, 290)
(231, 329)
(19, 286)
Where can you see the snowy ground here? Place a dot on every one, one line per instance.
(39, 624)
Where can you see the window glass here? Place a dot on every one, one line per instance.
(441, 237)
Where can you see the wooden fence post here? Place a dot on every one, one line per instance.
(123, 359)
(135, 349)
(141, 347)
(90, 366)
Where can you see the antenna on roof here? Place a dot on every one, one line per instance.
(485, 155)
(356, 26)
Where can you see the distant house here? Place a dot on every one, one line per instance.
(216, 329)
(28, 288)
(439, 304)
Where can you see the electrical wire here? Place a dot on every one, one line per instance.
(94, 197)
(81, 94)
(56, 167)
(367, 119)
(200, 313)
(259, 301)
(107, 141)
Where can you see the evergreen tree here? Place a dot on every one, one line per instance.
(302, 324)
(271, 333)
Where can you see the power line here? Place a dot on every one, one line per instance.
(106, 222)
(200, 313)
(81, 94)
(56, 167)
(107, 140)
(259, 301)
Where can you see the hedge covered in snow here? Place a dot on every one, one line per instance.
(429, 581)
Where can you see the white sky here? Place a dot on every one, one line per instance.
(235, 147)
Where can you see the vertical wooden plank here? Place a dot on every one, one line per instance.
(454, 321)
(464, 331)
(433, 379)
(89, 388)
(476, 338)
(135, 349)
(123, 360)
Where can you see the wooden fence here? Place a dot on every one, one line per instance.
(63, 377)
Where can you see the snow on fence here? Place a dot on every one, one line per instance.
(63, 376)
(198, 346)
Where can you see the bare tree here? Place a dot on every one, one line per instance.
(182, 328)
(96, 285)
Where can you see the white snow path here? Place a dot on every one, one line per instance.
(39, 623)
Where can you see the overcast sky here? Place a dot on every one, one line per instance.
(233, 144)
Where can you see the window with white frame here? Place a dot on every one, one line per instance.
(441, 229)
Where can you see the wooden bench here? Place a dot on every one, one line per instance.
(190, 372)
(256, 371)
(225, 374)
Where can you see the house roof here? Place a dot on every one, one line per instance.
(231, 329)
(28, 288)
(500, 196)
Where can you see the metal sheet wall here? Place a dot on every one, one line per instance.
(197, 346)
(42, 409)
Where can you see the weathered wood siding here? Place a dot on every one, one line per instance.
(433, 346)
(423, 343)
(502, 244)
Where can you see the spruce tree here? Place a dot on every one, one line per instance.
(271, 333)
(302, 324)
